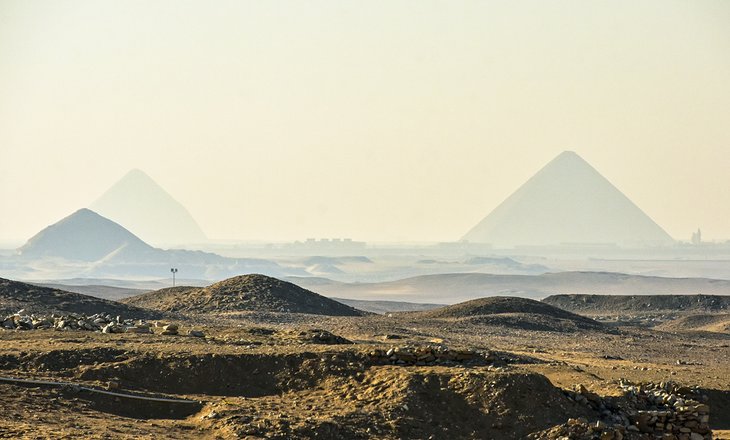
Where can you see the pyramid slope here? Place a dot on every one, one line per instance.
(139, 204)
(567, 201)
(84, 236)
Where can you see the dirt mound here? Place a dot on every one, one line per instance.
(639, 303)
(718, 323)
(513, 312)
(337, 395)
(392, 402)
(161, 299)
(256, 293)
(15, 296)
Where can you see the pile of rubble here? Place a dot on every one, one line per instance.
(425, 355)
(323, 337)
(665, 410)
(670, 409)
(580, 429)
(99, 322)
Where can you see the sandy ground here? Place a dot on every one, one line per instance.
(258, 377)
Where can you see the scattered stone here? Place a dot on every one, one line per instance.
(261, 331)
(170, 329)
(140, 329)
(112, 328)
(196, 333)
(99, 322)
(425, 355)
(666, 408)
(319, 336)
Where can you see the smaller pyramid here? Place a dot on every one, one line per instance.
(141, 205)
(568, 202)
(82, 236)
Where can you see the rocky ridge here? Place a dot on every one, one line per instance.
(512, 312)
(15, 295)
(636, 304)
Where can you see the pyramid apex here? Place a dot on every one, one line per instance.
(569, 155)
(136, 173)
(84, 213)
(141, 205)
(568, 159)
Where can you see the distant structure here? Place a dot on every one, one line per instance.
(85, 244)
(323, 246)
(568, 203)
(174, 271)
(84, 236)
(697, 237)
(328, 244)
(139, 204)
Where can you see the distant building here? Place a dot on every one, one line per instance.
(697, 237)
(327, 244)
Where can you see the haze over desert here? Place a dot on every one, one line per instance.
(381, 220)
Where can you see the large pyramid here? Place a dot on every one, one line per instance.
(139, 204)
(83, 236)
(567, 202)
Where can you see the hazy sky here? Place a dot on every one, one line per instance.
(381, 121)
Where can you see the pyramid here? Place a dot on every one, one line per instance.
(82, 236)
(568, 202)
(139, 204)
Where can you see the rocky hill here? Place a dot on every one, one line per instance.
(256, 293)
(15, 296)
(512, 312)
(716, 323)
(602, 304)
